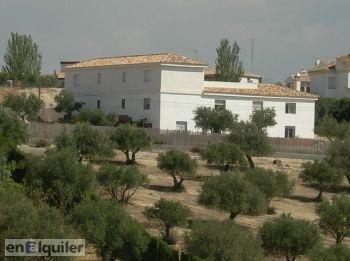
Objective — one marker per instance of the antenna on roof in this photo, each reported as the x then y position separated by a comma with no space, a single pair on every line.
252,41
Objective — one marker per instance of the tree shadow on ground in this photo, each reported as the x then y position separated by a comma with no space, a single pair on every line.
162,188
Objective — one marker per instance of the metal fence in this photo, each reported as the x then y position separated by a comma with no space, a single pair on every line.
47,131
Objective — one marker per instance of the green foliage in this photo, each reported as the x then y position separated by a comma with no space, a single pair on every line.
22,58
271,183
335,217
19,218
226,156
60,177
252,140
4,77
215,120
264,118
97,117
114,233
86,141
24,105
158,250
288,237
222,240
66,103
231,192
12,130
322,173
121,181
333,253
48,80
329,127
338,156
169,213
178,165
130,139
336,108
227,64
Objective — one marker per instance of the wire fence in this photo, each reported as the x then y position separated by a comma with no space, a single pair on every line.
180,139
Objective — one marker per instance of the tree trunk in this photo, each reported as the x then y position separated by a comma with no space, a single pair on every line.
81,157
133,158
339,239
128,160
250,161
319,196
167,234
233,215
177,184
348,177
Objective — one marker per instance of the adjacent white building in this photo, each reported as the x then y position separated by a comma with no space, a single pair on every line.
166,88
331,79
299,81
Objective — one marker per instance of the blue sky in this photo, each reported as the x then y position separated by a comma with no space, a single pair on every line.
288,34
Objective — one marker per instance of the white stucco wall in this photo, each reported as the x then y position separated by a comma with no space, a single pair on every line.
319,84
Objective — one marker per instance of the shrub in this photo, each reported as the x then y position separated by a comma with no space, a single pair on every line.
41,143
178,165
264,118
333,253
65,102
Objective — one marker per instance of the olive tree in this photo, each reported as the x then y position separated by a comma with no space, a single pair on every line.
130,139
170,214
321,173
252,140
178,165
338,156
65,102
121,182
222,240
288,237
24,105
330,128
86,141
112,231
271,183
335,252
233,193
60,177
216,120
264,118
335,217
224,155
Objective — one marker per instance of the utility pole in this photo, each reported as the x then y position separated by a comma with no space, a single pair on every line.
252,41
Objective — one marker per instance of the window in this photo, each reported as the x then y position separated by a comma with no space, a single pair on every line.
123,103
291,108
331,83
146,103
124,76
98,104
99,78
289,132
220,104
181,125
76,78
258,105
147,76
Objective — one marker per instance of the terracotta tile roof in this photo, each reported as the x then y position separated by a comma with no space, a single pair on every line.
169,58
270,90
325,65
345,60
60,75
304,77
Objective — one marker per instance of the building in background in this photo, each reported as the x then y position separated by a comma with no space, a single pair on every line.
331,78
165,89
60,74
299,81
210,75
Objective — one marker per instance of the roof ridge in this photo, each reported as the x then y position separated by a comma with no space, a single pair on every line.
122,56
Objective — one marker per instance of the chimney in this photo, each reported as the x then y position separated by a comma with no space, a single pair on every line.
302,71
318,61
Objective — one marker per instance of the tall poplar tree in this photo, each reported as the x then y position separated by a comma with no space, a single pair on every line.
228,66
22,58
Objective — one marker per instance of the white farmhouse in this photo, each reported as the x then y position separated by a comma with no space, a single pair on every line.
166,89
331,79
